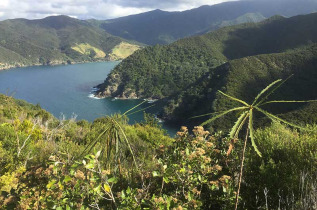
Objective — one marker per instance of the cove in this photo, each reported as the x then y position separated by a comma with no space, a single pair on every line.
66,90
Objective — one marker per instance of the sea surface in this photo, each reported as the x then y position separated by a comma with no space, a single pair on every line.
66,90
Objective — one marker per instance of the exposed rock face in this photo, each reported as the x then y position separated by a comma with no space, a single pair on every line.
57,62
110,87
7,66
129,94
4,66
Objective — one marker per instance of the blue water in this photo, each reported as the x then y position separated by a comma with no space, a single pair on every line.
65,89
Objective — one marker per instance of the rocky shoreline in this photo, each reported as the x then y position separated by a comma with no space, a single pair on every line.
9,66
112,92
22,65
112,88
109,94
52,63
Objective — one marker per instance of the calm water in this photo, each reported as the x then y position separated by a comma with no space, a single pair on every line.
66,89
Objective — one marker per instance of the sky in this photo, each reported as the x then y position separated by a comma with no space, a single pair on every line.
98,9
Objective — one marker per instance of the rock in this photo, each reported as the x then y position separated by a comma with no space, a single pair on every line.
110,87
129,94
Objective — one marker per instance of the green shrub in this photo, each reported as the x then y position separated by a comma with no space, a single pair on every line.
286,155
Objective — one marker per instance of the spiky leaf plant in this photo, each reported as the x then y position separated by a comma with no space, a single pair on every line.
246,117
113,137
248,111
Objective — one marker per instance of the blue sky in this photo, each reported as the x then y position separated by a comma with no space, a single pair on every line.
99,9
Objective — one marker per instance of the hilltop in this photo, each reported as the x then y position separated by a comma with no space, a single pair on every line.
57,40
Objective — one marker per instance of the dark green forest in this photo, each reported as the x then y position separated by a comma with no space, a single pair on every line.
244,78
237,59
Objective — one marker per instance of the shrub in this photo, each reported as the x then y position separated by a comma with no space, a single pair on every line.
287,154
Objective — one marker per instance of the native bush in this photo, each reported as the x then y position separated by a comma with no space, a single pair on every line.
65,164
287,154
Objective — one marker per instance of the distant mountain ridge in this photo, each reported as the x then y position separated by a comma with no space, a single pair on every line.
62,39
56,40
160,27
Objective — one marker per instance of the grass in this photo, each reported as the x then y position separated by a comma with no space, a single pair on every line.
123,50
85,48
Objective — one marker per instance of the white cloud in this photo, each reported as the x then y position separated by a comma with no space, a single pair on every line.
4,3
189,4
170,5
105,10
100,9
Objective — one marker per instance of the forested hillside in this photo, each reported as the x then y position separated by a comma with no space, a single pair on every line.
244,78
56,40
160,71
160,27
186,70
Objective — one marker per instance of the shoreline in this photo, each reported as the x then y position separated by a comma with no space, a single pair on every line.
54,64
95,90
148,100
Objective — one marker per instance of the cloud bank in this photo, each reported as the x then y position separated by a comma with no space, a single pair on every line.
98,9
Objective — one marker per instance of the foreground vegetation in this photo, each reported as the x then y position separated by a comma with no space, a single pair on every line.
67,164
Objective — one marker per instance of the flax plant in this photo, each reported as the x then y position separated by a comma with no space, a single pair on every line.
246,118
113,137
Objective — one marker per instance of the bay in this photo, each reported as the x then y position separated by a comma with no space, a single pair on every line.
65,90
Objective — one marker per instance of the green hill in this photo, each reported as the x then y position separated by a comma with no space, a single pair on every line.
54,40
161,71
161,27
166,71
244,78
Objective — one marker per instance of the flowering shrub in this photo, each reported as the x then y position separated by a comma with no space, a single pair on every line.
191,174
64,186
193,171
